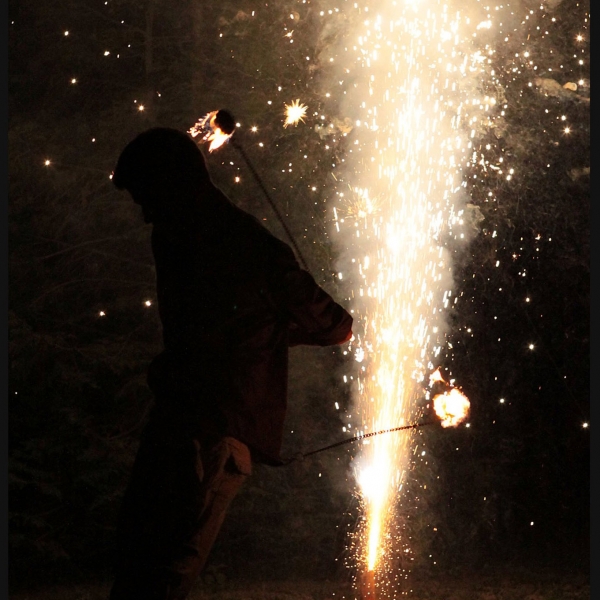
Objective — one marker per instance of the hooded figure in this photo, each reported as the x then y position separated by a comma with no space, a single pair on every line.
232,298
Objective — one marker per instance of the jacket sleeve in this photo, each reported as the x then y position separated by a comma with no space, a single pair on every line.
316,319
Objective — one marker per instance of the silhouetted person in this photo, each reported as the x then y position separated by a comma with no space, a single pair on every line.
232,299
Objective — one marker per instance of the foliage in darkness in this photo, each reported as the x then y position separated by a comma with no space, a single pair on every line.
77,391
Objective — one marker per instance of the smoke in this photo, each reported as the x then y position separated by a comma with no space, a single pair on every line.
407,78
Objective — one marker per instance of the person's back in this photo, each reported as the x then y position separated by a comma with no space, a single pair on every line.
232,299
225,338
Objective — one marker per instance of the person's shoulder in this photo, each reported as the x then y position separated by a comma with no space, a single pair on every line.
251,224
247,226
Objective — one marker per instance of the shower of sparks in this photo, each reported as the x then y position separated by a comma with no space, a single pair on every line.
294,113
414,93
210,131
358,205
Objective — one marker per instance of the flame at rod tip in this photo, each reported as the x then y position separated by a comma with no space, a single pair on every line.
211,132
452,407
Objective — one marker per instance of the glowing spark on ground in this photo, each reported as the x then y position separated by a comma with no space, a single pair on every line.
210,131
294,113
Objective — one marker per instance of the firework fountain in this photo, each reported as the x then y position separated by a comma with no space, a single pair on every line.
400,194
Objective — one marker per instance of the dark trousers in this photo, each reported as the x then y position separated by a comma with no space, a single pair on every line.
174,506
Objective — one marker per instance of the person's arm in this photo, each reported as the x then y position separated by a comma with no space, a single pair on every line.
316,319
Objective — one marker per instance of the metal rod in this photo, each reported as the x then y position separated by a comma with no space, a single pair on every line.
258,180
359,437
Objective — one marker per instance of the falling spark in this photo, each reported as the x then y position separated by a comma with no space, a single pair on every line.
210,131
294,113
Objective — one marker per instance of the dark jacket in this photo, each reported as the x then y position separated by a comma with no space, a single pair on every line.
232,299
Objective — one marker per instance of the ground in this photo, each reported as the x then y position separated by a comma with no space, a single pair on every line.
544,586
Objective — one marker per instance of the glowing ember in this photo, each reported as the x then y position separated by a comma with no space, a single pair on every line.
294,113
451,407
210,131
435,377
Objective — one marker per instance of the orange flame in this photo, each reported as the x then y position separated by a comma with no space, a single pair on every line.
452,407
368,586
435,377
212,132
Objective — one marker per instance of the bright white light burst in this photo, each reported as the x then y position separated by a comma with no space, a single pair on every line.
294,113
